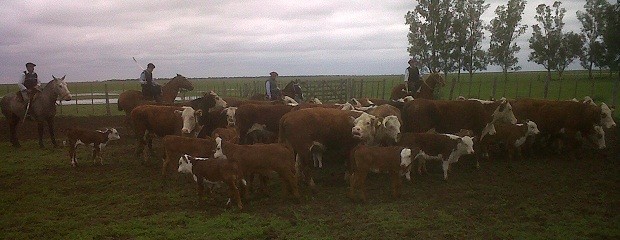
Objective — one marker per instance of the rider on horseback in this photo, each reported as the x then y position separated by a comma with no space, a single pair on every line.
150,89
29,85
413,82
271,85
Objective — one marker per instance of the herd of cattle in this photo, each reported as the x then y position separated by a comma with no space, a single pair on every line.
234,140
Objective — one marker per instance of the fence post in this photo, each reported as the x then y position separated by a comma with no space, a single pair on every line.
529,94
107,100
614,97
361,89
383,91
494,86
575,90
560,88
479,88
452,87
76,106
517,88
92,99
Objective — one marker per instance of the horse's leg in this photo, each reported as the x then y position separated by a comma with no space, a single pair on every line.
50,127
13,122
40,130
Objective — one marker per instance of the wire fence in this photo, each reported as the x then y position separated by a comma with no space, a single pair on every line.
99,98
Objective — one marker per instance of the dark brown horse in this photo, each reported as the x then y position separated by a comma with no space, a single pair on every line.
434,80
43,109
129,99
292,89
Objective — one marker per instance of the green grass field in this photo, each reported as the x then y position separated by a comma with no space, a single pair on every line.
519,85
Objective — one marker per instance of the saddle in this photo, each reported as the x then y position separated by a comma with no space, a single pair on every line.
32,95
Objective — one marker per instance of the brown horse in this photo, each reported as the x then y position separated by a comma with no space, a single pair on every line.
43,109
129,99
292,89
433,81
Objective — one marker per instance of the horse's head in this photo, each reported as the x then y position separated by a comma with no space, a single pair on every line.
435,79
293,89
59,87
182,82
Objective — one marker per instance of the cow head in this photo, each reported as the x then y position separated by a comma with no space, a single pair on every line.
355,102
405,157
588,100
598,137
365,127
257,127
465,145
218,148
113,134
607,119
391,126
315,100
185,164
347,107
489,129
289,101
504,113
230,115
532,128
190,119
219,102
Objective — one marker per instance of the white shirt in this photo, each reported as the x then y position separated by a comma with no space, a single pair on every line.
22,78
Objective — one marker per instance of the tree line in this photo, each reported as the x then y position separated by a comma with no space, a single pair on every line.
447,36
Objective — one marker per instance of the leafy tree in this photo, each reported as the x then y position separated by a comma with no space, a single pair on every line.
570,49
459,40
505,28
429,31
546,40
592,26
475,58
611,38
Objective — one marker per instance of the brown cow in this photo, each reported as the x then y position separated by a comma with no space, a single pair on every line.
420,115
262,158
249,114
393,160
564,119
96,139
312,131
161,121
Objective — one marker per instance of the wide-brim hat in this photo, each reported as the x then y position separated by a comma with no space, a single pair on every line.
412,60
273,73
29,63
150,65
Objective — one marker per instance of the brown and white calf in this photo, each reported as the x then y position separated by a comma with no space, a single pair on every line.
393,160
262,158
96,139
214,170
512,136
175,146
445,147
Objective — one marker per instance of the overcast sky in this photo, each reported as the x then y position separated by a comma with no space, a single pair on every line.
96,40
